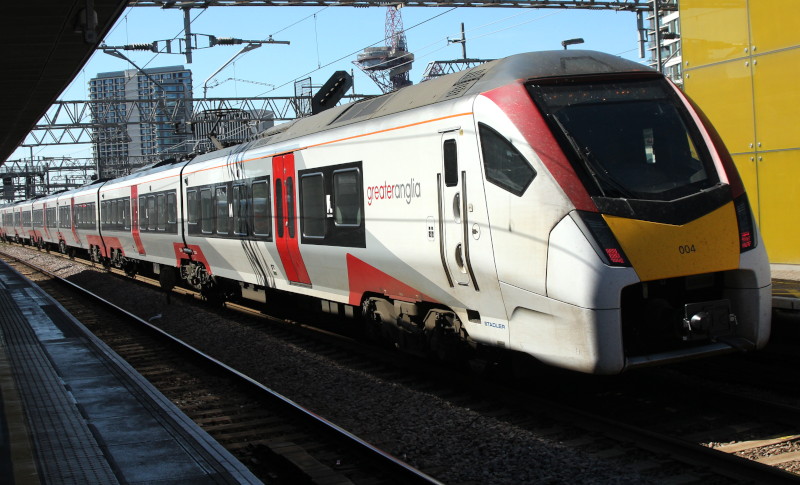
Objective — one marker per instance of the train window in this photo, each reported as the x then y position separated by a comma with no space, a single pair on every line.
206,212
143,213
38,218
64,219
240,203
279,207
450,153
152,215
50,217
192,211
504,165
347,197
261,213
312,205
172,208
161,210
113,217
126,213
104,210
652,150
223,214
290,207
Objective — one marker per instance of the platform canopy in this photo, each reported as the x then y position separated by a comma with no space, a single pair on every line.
45,44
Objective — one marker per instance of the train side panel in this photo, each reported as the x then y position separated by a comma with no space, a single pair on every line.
155,210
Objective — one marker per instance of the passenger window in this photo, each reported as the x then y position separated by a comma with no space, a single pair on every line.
279,207
142,213
152,215
206,212
126,213
450,150
161,210
313,205
261,213
347,198
240,210
172,208
192,208
64,219
504,165
290,207
222,210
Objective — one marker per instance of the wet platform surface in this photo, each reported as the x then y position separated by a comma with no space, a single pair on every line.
72,411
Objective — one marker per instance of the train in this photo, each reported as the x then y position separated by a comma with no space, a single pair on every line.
572,206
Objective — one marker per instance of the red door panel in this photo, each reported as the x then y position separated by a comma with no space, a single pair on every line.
286,219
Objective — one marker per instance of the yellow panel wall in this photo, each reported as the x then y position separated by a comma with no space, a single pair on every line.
776,88
773,24
779,198
729,104
728,46
719,30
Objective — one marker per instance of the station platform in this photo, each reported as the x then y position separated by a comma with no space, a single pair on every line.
73,412
786,287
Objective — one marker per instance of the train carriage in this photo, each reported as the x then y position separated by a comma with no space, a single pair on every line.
78,215
44,219
570,205
155,208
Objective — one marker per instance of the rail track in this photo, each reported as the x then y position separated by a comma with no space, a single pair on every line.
280,441
663,423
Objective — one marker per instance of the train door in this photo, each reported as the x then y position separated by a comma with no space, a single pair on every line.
286,219
453,216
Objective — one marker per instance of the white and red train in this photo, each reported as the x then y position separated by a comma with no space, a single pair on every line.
570,205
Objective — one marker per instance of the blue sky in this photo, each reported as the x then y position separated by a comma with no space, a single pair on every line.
326,39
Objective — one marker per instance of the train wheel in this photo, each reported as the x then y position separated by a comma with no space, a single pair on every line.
62,247
130,267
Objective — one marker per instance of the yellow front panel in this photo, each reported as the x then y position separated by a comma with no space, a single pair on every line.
657,251
778,174
774,24
725,94
776,84
718,31
748,170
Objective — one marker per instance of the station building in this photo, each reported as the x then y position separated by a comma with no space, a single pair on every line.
162,96
741,64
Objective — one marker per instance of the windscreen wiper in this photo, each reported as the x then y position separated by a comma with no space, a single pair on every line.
598,173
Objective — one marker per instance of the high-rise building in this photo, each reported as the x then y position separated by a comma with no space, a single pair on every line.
148,122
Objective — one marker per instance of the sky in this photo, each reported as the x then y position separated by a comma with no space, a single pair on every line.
327,39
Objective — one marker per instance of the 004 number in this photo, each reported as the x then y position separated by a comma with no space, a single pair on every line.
687,249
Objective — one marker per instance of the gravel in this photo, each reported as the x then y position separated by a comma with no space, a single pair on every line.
427,431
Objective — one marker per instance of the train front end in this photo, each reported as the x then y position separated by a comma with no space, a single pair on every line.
659,259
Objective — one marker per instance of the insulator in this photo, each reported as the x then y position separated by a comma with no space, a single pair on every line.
228,41
139,47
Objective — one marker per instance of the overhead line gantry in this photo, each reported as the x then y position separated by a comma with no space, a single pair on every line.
629,5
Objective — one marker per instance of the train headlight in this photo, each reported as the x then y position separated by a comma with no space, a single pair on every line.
747,229
610,250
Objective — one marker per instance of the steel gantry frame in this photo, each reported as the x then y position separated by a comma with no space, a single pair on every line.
629,5
70,122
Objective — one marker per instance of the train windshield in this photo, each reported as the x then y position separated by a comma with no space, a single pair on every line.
630,139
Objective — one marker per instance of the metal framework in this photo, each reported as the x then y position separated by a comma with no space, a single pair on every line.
630,5
70,122
45,175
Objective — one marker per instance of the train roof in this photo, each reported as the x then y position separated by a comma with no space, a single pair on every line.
481,78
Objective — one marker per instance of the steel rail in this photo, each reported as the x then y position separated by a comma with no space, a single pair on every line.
405,472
